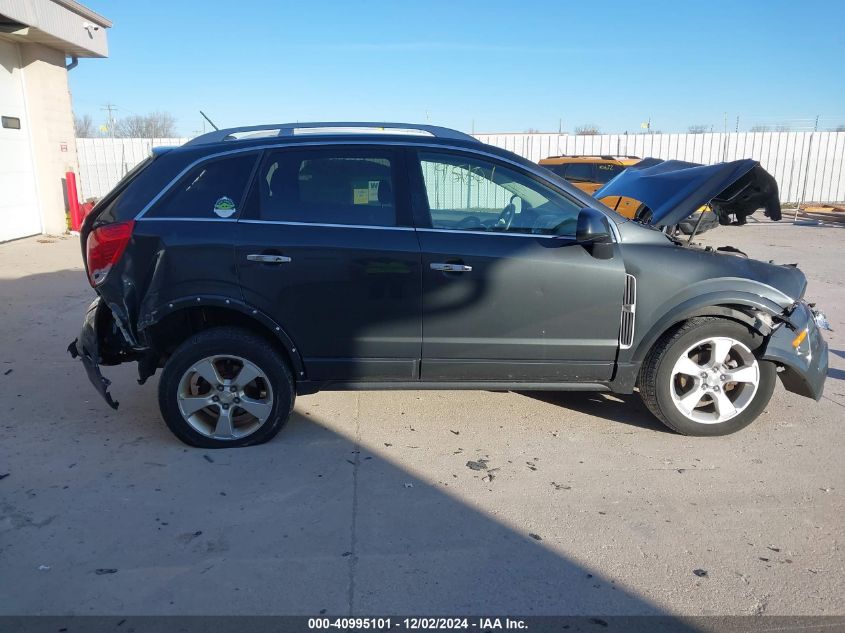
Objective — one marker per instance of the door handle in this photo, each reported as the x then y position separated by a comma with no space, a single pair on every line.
452,268
268,259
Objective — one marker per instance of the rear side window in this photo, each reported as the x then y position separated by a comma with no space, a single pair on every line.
556,169
213,189
605,172
328,187
107,208
581,172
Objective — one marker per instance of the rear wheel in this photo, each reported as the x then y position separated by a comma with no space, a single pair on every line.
225,387
704,377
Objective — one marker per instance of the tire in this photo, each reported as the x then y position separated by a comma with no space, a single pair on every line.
698,405
226,368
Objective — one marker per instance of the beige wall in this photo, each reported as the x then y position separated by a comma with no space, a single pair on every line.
50,114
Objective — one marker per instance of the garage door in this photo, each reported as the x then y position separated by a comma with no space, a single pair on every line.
19,215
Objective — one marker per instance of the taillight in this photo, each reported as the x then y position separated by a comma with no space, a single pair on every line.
104,247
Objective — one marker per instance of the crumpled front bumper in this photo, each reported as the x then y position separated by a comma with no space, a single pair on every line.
805,365
86,347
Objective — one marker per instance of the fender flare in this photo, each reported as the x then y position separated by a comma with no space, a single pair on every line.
713,304
175,305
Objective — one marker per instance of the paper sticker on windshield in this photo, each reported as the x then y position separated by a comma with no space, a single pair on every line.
373,191
224,207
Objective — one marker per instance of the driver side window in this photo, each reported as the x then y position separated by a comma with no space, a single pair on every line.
473,194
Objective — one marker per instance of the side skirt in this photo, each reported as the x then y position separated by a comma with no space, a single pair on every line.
308,387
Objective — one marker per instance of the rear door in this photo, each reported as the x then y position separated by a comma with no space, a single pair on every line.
508,294
326,247
186,238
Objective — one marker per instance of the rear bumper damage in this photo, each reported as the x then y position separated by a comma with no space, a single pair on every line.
805,362
86,347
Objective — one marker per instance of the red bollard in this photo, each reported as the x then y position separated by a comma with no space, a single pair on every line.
73,202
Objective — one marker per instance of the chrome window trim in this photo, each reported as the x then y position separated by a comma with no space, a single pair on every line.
536,170
186,219
357,226
326,224
362,226
570,238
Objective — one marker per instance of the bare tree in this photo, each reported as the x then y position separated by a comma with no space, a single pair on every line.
532,130
152,125
84,126
588,129
839,128
760,128
698,129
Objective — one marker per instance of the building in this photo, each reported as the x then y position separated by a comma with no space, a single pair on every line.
40,41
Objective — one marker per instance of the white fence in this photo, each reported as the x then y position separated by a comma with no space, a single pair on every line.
104,161
808,166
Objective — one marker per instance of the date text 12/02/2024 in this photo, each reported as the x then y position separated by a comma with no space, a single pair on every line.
416,623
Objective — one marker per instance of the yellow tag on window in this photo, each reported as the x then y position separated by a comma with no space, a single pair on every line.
361,196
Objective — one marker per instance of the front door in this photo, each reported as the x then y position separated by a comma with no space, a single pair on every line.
326,248
508,294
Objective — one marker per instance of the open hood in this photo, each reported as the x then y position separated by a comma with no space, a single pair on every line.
672,190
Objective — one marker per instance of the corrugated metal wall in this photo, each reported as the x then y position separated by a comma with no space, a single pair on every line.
809,166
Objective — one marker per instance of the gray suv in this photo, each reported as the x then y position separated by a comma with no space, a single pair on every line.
254,264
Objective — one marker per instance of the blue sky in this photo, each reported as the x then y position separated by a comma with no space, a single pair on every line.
489,66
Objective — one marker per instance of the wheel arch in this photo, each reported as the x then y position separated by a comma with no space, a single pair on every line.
175,321
742,308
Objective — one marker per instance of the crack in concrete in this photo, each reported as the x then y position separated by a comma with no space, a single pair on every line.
353,537
834,401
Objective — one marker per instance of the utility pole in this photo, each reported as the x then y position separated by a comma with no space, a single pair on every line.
110,108
737,123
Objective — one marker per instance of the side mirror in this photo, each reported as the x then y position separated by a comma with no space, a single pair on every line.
593,233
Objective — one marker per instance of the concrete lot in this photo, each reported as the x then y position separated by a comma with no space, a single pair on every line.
364,503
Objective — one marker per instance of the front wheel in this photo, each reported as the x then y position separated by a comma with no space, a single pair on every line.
225,387
704,378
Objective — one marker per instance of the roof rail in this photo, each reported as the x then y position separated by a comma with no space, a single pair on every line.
329,128
601,156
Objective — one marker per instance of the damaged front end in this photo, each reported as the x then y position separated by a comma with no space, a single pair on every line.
101,342
796,345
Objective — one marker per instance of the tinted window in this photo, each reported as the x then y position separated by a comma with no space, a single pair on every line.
579,172
327,187
607,172
556,169
476,195
213,189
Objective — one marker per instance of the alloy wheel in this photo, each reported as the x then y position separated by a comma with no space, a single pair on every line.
714,380
225,397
